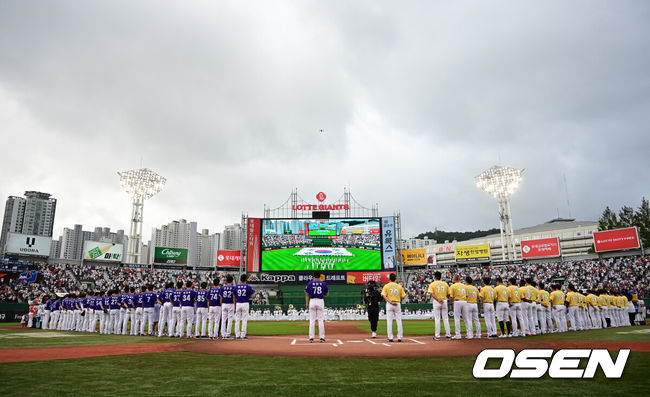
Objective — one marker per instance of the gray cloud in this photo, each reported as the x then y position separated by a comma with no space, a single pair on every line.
226,99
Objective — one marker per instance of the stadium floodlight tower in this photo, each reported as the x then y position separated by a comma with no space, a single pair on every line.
141,184
501,182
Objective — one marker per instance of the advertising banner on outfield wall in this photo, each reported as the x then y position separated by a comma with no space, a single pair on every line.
414,257
295,277
388,242
253,242
98,251
364,277
472,253
617,239
540,248
170,256
228,258
27,244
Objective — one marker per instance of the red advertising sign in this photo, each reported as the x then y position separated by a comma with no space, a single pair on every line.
540,248
364,277
253,242
617,239
226,258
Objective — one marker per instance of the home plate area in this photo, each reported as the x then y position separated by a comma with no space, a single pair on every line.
341,342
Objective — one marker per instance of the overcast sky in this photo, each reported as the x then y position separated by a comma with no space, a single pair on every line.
226,100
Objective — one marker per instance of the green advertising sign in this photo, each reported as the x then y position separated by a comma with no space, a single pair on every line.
170,256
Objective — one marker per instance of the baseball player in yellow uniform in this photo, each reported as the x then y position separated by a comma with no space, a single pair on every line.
487,303
559,311
572,304
594,315
472,309
516,312
544,313
458,296
393,294
439,291
502,308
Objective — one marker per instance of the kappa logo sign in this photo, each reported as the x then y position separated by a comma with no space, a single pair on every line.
564,364
30,241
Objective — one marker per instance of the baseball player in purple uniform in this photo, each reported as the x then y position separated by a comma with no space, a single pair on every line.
139,312
188,299
149,301
201,311
122,317
106,307
114,312
63,314
214,310
47,310
227,293
315,291
56,306
87,301
92,316
243,292
165,299
175,323
128,303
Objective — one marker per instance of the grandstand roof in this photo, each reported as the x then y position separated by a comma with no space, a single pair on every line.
553,224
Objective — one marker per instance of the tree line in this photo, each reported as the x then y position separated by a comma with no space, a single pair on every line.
441,236
628,217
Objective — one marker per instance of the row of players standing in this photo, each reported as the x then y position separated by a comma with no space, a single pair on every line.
524,308
175,310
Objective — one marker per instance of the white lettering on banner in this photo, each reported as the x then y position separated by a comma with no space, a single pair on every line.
564,364
170,253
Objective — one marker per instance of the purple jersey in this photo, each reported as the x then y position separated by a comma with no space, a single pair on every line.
139,300
150,299
213,297
48,305
114,300
243,293
188,297
56,305
202,298
227,293
129,300
176,297
166,295
106,301
316,289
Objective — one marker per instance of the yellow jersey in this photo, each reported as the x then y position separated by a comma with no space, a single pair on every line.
439,290
501,292
393,292
581,299
535,294
487,294
513,294
605,300
472,293
458,291
592,300
528,293
544,297
572,298
557,297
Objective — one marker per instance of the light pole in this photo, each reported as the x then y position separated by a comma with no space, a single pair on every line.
141,184
501,182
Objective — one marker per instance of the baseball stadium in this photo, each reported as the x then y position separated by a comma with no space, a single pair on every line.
374,318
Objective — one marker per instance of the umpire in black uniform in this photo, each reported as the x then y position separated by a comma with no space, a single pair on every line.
372,298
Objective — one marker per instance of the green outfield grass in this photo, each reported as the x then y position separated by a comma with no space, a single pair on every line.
284,260
183,374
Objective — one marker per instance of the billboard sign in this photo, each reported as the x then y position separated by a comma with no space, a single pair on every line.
364,277
540,248
170,256
99,251
388,242
472,253
414,257
27,244
617,239
253,241
228,258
